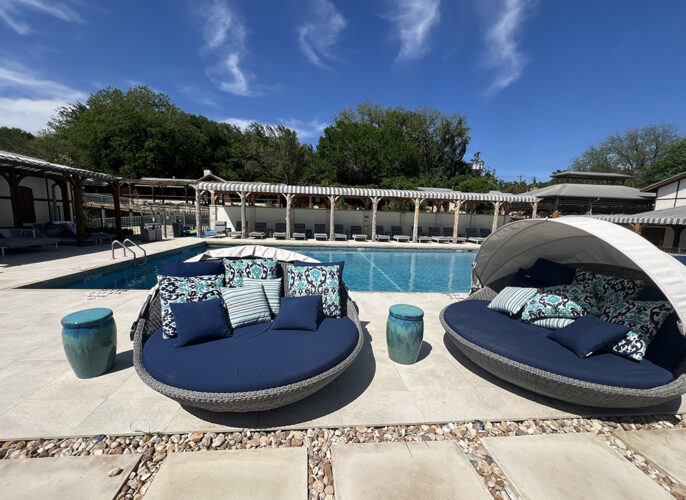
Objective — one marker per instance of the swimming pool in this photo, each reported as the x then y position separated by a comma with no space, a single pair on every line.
366,269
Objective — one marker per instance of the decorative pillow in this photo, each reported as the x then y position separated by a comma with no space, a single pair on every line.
548,305
585,280
198,322
552,323
247,305
524,280
207,268
272,289
317,280
650,293
298,313
588,334
177,289
339,263
610,289
512,299
260,269
551,272
644,319
579,294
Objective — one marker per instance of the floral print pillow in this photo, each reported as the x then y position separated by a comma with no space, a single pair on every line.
259,269
177,289
611,290
317,280
548,305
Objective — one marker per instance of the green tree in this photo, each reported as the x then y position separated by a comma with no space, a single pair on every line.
673,162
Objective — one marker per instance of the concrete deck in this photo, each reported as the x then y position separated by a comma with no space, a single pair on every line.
665,449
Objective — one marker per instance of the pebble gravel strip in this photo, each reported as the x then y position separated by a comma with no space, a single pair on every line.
155,447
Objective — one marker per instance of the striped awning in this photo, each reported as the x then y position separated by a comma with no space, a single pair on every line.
255,187
656,219
35,165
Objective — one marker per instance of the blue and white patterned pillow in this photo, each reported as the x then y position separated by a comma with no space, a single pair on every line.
585,280
247,305
512,299
578,293
548,305
177,289
272,289
260,269
553,323
643,317
610,289
317,280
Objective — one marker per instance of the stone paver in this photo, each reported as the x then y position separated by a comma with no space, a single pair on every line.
272,473
569,466
68,478
665,449
405,470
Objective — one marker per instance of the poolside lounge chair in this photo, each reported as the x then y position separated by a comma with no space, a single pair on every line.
260,231
339,233
435,233
421,237
280,231
299,232
381,235
357,233
218,231
237,232
473,236
397,234
448,232
484,232
24,241
320,232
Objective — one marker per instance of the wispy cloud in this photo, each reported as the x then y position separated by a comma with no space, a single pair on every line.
412,21
503,53
12,12
306,129
319,35
224,48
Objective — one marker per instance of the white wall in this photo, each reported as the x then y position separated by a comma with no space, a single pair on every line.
672,195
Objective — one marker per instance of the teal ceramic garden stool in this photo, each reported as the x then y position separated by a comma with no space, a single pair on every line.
404,333
89,338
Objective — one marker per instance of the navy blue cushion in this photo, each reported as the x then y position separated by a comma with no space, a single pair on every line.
254,358
298,313
551,272
211,268
681,258
340,263
198,322
523,279
650,294
588,335
668,347
529,345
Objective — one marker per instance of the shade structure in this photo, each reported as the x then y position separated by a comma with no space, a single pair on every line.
578,240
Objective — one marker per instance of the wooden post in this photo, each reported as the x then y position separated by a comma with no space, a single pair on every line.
79,215
185,194
332,201
152,187
116,192
244,229
496,213
66,215
638,228
13,180
375,205
289,201
534,209
415,226
198,231
456,222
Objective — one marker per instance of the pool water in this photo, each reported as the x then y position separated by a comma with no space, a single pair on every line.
366,269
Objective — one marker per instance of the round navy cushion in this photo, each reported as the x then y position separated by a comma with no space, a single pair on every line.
252,359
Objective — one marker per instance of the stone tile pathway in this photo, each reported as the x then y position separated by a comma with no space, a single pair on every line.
665,449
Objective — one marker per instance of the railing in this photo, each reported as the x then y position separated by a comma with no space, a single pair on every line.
123,245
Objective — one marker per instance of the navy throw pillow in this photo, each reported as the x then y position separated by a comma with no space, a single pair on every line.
551,272
186,269
340,263
650,294
198,322
588,334
525,280
298,313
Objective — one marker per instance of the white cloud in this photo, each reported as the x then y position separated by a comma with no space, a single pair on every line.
503,53
413,21
11,12
224,48
310,129
319,35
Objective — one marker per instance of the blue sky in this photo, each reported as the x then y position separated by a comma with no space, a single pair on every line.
539,81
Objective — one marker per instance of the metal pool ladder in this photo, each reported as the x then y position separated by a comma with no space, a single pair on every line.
123,245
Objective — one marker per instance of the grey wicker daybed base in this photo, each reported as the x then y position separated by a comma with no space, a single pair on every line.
149,321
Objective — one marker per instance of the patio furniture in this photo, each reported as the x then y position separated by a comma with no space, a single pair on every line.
448,232
218,231
237,232
421,237
254,369
320,232
24,241
280,231
484,232
89,338
404,333
473,236
522,354
397,234
435,234
260,231
381,235
357,233
299,232
339,233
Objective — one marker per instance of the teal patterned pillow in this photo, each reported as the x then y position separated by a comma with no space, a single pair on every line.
553,323
643,317
578,293
177,289
548,305
260,269
247,305
272,289
512,299
585,280
317,280
611,290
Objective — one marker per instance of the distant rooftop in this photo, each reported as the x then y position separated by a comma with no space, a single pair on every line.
604,191
579,174
668,180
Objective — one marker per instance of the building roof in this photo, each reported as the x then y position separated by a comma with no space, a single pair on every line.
436,194
172,181
580,174
668,180
32,165
666,217
605,191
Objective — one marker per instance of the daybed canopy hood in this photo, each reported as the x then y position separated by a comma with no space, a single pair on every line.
578,240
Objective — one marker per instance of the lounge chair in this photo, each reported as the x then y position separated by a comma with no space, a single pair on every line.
357,233
473,236
218,231
448,232
421,237
484,233
320,232
299,232
435,234
339,233
397,234
19,241
260,231
280,231
237,231
381,235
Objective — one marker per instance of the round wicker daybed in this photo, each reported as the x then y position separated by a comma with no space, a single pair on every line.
149,322
508,348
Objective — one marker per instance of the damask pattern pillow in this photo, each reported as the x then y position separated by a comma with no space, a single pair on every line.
317,280
548,305
272,289
259,269
585,280
610,289
579,294
512,299
177,289
644,319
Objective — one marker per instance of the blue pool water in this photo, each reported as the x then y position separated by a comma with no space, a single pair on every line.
366,269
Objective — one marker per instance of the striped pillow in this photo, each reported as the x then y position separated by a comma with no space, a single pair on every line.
553,323
512,299
247,305
272,289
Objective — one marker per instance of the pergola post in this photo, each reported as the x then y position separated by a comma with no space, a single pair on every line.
456,221
152,187
534,209
117,209
415,226
637,227
496,213
79,215
66,215
375,205
332,202
198,232
244,229
13,180
289,201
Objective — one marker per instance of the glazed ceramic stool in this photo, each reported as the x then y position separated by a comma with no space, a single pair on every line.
404,333
89,338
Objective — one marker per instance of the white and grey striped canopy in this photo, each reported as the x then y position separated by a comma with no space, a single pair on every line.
667,217
439,194
36,165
